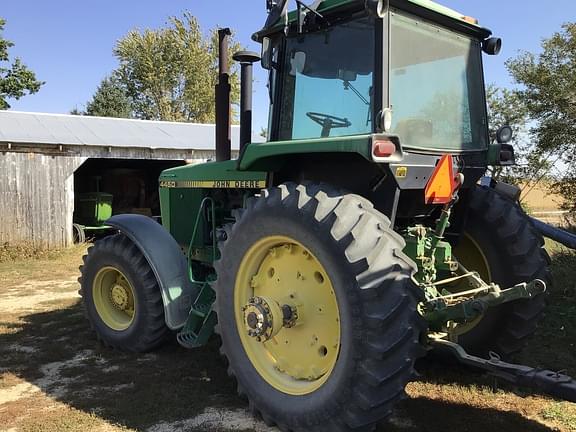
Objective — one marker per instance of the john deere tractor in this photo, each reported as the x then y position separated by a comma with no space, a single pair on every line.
352,242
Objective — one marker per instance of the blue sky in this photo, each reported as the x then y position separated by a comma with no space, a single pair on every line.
69,43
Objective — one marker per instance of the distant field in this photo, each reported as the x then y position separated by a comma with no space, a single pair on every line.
541,203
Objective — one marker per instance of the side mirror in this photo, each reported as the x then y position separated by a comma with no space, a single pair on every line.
377,7
492,46
267,54
504,135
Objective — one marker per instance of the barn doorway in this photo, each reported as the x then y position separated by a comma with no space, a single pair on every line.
107,187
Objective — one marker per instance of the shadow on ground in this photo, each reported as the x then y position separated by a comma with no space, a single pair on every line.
57,352
425,415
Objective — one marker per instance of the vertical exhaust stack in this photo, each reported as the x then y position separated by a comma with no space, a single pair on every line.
246,60
223,135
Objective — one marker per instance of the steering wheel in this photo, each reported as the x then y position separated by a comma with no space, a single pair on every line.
328,122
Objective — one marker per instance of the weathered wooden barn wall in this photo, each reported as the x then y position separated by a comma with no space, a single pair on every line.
37,187
37,198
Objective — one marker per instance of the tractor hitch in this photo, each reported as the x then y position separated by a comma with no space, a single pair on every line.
556,384
450,308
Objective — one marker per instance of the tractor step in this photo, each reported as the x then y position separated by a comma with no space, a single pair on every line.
201,321
555,384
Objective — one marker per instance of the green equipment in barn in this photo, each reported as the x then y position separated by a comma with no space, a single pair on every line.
94,208
355,240
91,211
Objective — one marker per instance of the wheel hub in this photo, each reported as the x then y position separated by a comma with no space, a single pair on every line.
288,315
119,296
264,318
114,298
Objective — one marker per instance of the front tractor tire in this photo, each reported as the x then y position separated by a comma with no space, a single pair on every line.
317,310
121,297
502,245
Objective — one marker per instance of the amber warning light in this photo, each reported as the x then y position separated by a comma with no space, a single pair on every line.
443,183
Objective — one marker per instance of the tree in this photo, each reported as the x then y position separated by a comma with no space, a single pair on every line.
548,89
110,100
506,107
170,73
16,80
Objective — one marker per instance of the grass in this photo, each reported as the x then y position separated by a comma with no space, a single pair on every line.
74,420
22,251
563,413
27,263
554,345
71,383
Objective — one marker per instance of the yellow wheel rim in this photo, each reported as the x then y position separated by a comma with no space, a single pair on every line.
299,358
114,298
470,255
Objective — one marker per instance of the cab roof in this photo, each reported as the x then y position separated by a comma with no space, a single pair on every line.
426,8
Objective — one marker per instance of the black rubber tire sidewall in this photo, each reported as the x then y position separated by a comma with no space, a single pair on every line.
377,298
514,253
148,330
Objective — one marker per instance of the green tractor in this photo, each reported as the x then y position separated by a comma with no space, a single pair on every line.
351,243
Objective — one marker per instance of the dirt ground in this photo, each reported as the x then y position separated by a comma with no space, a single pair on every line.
54,376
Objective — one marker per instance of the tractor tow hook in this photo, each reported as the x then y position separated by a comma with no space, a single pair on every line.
555,384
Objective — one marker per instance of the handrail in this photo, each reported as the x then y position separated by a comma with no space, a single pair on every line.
195,232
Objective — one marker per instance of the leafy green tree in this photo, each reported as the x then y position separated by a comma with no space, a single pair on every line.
170,73
16,80
77,111
506,107
110,100
548,89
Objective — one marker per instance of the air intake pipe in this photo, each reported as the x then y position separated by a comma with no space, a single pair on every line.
246,60
223,140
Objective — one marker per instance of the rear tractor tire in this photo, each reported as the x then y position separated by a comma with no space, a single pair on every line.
500,242
121,297
317,310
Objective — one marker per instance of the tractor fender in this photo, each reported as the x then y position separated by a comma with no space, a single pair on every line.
166,260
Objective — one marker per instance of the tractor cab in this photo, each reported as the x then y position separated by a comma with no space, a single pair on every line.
399,83
409,68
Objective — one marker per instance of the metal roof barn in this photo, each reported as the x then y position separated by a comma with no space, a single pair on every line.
48,160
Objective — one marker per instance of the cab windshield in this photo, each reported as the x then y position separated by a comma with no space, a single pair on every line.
436,87
327,83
